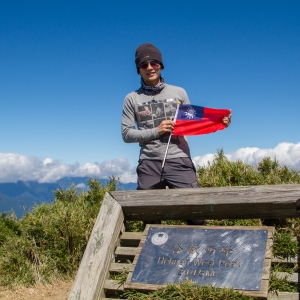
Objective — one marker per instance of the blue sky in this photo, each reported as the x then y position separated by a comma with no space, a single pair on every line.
66,67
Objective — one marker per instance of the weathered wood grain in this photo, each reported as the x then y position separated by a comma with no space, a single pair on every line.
291,277
116,268
242,202
99,253
113,288
130,239
263,293
287,260
267,269
283,296
123,254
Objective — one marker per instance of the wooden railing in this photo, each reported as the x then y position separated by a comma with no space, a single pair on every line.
109,246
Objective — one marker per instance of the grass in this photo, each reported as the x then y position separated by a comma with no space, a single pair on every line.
9,226
285,245
187,291
281,285
48,243
222,172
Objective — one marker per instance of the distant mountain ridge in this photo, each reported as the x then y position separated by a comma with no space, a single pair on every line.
24,194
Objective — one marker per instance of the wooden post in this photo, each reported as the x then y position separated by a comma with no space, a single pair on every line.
99,253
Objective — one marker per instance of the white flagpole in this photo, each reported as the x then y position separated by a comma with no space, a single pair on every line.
163,164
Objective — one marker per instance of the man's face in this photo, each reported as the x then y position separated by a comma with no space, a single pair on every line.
150,71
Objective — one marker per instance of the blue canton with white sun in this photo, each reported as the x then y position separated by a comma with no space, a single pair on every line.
190,112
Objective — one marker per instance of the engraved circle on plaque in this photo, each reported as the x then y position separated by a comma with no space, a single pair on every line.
159,238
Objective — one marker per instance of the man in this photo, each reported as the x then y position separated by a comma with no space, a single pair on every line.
153,130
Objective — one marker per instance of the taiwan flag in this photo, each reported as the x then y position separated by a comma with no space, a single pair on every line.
195,120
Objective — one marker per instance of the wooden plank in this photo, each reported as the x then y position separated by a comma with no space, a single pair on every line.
263,293
287,260
269,248
119,267
123,254
266,269
131,238
239,202
283,296
113,288
291,277
98,255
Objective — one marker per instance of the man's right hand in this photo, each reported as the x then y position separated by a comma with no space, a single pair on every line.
165,126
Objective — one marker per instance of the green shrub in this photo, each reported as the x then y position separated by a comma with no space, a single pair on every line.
9,227
48,243
222,172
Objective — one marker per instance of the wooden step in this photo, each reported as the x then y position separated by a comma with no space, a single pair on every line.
291,277
287,260
116,268
283,296
113,288
131,239
123,254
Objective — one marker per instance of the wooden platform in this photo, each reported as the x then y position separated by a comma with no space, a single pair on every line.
109,244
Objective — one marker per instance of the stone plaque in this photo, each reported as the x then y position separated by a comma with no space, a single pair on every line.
207,256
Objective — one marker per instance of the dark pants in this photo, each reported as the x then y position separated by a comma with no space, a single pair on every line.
177,173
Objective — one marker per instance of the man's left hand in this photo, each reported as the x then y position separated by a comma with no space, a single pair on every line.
227,120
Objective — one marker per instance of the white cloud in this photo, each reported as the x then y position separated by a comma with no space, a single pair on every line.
14,167
286,154
81,186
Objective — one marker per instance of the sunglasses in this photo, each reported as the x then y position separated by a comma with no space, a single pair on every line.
154,64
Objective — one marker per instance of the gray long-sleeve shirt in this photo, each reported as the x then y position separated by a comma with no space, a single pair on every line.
146,110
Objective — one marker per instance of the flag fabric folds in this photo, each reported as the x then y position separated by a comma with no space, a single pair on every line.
196,120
